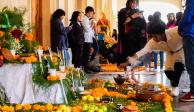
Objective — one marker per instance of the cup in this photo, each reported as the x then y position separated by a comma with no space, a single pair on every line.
52,71
81,88
40,52
62,68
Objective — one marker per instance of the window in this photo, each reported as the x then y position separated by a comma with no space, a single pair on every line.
165,8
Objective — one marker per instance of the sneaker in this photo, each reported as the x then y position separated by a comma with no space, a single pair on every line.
175,91
188,97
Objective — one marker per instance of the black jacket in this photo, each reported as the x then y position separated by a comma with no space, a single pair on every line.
77,34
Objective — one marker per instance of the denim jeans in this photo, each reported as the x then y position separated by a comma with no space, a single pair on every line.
156,59
96,49
67,57
188,45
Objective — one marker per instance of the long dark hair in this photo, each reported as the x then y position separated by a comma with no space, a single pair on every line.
74,17
58,13
128,3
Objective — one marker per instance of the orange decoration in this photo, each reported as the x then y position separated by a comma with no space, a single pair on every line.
1,33
29,36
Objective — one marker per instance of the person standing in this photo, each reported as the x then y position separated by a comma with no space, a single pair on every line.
88,35
131,27
186,30
157,19
77,36
178,17
171,20
59,39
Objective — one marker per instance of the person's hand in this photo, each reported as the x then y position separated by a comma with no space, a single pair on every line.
123,65
131,60
128,20
136,15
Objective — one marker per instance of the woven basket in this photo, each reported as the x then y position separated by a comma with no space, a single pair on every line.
155,96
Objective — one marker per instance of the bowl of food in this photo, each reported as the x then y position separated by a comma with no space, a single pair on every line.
120,79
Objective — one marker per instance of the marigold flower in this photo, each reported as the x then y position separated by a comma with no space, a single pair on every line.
42,108
10,109
36,107
4,108
27,107
55,107
29,36
49,107
1,33
18,107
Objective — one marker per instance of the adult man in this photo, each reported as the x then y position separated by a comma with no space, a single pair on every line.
186,29
88,35
170,42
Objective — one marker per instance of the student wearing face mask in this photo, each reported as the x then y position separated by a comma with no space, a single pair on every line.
171,42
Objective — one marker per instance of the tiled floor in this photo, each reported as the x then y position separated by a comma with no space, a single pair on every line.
159,77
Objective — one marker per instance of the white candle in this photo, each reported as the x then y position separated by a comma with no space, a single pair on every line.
79,76
58,52
50,52
72,80
63,56
63,90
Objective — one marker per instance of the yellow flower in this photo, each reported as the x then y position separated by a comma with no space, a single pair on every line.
1,33
4,108
62,107
10,109
49,107
42,108
27,107
36,107
18,107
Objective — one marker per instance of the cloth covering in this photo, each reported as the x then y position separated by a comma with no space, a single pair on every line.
19,87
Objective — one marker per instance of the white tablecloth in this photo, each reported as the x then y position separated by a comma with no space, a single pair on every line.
19,88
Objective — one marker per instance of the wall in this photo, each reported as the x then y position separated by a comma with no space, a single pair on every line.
49,6
18,3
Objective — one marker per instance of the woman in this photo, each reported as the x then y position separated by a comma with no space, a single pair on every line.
171,20
59,38
77,35
131,26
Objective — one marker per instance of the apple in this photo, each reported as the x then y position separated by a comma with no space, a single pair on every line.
104,108
58,111
90,98
97,99
84,98
84,107
91,110
100,110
